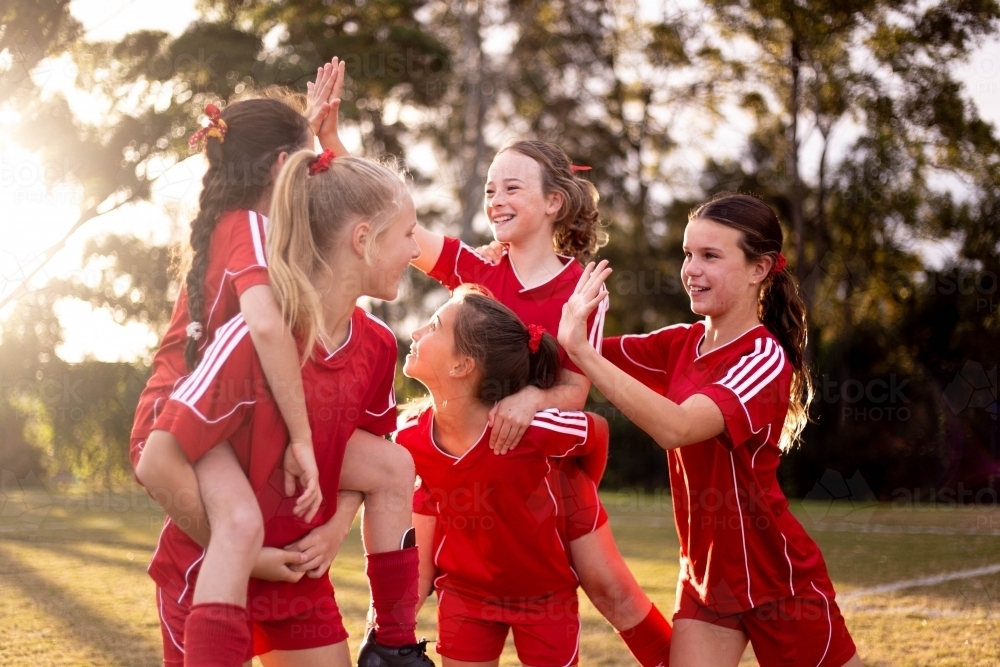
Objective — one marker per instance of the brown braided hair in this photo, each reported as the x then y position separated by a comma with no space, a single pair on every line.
780,308
575,232
238,177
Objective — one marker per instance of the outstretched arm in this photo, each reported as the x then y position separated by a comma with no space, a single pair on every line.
511,417
671,425
430,244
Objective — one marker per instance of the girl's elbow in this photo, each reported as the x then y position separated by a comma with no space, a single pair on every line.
266,329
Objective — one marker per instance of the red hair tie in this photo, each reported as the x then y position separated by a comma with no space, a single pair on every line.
216,128
779,266
576,168
534,337
321,162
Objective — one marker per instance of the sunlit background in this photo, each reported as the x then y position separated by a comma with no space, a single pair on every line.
35,216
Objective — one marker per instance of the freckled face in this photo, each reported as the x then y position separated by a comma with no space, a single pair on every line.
515,204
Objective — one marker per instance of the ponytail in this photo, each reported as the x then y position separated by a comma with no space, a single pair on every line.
293,257
783,312
492,335
575,230
308,213
238,177
544,363
779,308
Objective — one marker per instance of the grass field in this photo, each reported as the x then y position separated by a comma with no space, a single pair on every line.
74,590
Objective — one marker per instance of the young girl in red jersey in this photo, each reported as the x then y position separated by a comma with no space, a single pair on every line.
547,218
488,527
340,229
724,397
245,145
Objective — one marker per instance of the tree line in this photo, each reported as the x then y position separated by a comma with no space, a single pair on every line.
856,131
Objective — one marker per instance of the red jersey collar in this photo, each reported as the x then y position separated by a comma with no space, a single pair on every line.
697,346
567,262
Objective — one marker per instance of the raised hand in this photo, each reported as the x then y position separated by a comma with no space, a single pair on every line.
323,110
589,292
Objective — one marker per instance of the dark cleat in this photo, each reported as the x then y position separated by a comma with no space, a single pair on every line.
373,654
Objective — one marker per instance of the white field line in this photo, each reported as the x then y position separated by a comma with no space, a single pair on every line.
933,580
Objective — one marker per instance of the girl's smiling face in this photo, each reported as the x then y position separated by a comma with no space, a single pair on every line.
432,353
517,207
715,273
394,249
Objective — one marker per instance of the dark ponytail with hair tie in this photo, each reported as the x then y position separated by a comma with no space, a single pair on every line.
779,308
491,334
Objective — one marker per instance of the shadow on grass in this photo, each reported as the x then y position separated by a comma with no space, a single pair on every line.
80,623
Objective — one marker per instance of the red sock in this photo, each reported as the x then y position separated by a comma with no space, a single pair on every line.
216,634
393,579
650,640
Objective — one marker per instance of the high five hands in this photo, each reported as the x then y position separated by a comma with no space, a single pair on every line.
323,105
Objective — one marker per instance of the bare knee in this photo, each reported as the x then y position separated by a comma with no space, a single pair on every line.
396,466
240,526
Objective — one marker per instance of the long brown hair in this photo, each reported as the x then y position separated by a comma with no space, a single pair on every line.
491,334
308,213
238,176
780,308
575,232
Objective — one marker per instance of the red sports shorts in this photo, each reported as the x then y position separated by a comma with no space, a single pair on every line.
546,630
806,630
320,625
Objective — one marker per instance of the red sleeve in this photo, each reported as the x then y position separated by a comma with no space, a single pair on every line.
445,270
380,414
646,357
458,264
217,398
423,501
565,433
246,256
753,394
595,335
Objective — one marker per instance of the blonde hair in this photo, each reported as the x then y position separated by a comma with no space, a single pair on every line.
308,213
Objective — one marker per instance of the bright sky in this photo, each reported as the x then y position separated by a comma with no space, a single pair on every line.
35,216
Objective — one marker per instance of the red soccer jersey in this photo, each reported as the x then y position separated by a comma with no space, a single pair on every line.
498,534
237,262
740,546
227,398
540,305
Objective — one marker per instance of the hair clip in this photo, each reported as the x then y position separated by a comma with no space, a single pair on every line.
576,168
779,266
321,162
534,336
194,330
216,128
